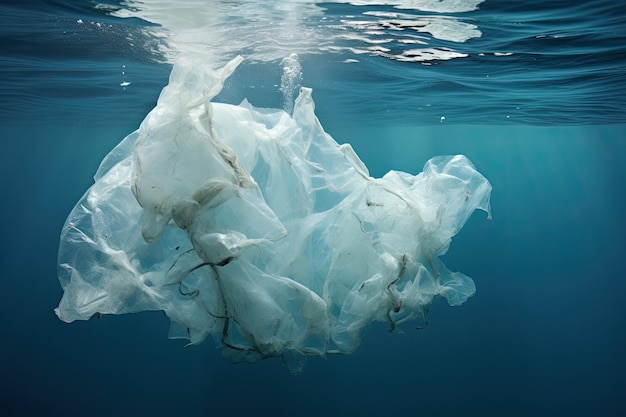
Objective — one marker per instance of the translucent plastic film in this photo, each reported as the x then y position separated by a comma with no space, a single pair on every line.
255,227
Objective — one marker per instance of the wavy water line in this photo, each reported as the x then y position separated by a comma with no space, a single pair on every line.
270,31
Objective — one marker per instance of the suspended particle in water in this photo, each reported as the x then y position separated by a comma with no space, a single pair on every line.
124,82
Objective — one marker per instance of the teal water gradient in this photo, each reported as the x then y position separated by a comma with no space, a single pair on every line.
541,336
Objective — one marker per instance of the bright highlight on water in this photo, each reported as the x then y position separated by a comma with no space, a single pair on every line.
269,31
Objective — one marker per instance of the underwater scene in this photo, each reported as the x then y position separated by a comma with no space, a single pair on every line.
301,208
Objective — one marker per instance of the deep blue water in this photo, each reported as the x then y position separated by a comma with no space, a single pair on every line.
533,96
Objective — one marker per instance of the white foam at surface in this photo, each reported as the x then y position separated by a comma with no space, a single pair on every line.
439,6
255,227
266,31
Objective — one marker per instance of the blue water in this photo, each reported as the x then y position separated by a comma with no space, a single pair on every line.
535,101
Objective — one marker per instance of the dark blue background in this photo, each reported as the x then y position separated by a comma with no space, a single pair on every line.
544,335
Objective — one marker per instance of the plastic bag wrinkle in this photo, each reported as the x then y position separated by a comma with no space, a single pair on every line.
256,228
